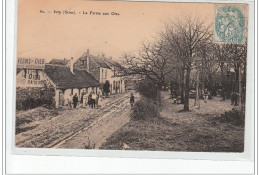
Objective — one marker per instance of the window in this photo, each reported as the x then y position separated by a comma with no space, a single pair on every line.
102,73
106,74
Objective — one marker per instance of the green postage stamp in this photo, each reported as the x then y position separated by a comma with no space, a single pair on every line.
229,23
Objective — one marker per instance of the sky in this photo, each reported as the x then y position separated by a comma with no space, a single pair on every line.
52,35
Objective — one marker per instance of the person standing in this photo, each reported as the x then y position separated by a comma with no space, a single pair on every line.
94,98
85,97
90,99
81,99
100,101
236,98
132,100
75,101
97,99
69,100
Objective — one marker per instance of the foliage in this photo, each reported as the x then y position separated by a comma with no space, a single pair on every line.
185,46
144,109
106,87
147,88
235,116
35,97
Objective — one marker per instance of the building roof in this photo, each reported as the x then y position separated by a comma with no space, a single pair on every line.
83,58
59,61
64,78
112,63
100,61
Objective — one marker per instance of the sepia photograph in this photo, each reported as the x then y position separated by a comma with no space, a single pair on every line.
120,75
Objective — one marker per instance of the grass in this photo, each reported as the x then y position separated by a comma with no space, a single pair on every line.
200,130
27,120
165,135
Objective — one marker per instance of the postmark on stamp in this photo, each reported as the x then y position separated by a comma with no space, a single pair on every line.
229,24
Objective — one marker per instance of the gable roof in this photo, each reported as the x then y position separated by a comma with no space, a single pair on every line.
100,61
112,63
59,61
83,58
63,78
103,62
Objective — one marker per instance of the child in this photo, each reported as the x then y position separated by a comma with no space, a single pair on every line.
100,102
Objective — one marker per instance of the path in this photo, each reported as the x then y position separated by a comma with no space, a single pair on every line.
77,128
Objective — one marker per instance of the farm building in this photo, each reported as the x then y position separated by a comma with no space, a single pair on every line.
63,77
62,80
103,69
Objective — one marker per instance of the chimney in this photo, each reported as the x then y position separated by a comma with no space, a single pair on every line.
71,65
64,60
87,60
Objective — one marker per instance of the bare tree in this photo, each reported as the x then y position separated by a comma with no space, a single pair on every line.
232,56
184,38
154,62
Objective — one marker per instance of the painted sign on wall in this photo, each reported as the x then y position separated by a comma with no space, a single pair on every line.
30,78
31,63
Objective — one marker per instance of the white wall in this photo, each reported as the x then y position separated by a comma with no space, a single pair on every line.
106,76
31,80
110,77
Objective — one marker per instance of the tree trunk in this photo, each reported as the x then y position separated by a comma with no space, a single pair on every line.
182,86
187,90
159,98
239,87
196,103
237,70
223,82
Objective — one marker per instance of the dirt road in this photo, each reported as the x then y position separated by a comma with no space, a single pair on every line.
78,128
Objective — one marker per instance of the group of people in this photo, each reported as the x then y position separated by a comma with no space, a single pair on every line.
234,97
92,100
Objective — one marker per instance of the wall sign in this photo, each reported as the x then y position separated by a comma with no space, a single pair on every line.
31,63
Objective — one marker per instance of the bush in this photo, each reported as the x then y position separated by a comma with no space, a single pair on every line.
234,116
106,87
147,88
144,109
29,98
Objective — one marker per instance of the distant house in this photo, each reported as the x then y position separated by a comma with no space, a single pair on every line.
63,62
103,69
64,79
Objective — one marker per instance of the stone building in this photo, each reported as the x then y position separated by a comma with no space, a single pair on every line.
103,69
63,78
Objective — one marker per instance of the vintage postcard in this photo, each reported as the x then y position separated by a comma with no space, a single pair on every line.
142,76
